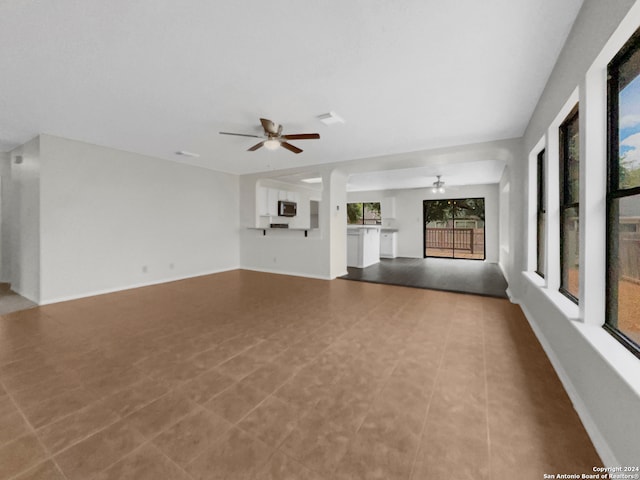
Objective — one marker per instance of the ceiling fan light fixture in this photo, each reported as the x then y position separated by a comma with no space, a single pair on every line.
438,185
272,144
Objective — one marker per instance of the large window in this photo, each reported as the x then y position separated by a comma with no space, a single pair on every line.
364,213
569,206
623,197
541,217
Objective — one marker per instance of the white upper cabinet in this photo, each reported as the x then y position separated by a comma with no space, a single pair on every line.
272,199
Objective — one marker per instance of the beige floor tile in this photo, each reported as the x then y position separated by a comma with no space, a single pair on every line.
160,414
441,456
237,456
20,455
318,444
92,455
30,379
196,432
267,349
205,386
134,397
12,426
271,421
7,407
361,376
235,402
70,429
269,377
54,408
47,389
390,428
44,471
146,463
240,366
302,394
108,384
282,467
370,460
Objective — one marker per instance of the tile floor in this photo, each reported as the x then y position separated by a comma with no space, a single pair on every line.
245,375
453,275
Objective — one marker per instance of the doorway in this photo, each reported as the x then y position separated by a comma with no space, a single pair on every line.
454,228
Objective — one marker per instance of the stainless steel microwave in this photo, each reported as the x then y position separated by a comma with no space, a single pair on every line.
287,209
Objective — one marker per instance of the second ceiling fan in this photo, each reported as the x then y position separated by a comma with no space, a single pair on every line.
275,138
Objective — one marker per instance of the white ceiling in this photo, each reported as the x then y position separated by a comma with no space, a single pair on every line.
157,76
468,173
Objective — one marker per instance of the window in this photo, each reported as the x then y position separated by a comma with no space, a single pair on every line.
541,217
623,197
569,206
454,228
364,213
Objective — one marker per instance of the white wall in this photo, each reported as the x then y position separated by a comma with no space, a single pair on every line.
21,220
409,215
600,375
5,174
106,215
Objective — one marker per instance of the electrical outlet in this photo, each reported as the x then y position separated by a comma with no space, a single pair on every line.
171,266
145,269
275,259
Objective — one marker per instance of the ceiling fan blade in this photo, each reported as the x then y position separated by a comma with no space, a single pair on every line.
269,126
302,136
255,147
240,134
291,148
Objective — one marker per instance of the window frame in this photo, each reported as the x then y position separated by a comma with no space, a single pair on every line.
453,207
564,188
541,210
615,192
362,213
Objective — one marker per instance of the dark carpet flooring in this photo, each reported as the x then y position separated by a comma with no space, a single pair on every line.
462,276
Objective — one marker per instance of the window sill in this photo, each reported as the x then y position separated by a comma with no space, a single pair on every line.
609,349
535,279
614,353
565,306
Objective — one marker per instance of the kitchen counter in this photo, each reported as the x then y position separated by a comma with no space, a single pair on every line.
363,245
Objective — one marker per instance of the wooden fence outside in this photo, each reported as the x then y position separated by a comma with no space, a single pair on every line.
448,238
630,256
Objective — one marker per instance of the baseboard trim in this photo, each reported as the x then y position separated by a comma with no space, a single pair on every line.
602,447
133,286
284,272
27,296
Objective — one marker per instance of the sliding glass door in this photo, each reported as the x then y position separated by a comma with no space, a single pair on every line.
454,228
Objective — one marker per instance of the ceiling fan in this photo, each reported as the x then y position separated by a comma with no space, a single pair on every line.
274,137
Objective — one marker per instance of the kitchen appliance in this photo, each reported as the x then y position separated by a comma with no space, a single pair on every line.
287,209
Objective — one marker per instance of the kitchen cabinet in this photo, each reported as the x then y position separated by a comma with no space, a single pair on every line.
388,244
267,200
272,201
363,246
